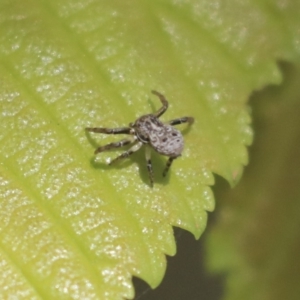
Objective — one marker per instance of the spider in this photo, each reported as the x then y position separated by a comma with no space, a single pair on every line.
150,131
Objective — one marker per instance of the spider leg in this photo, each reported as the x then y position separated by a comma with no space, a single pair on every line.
120,130
163,101
127,153
149,165
168,165
189,120
115,144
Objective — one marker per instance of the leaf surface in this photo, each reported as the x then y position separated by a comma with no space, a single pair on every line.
72,227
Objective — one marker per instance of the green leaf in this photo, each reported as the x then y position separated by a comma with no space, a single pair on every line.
72,227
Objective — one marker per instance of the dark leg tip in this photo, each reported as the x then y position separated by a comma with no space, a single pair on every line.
155,93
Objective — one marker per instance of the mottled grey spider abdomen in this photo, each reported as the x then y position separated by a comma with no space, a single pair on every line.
164,138
168,141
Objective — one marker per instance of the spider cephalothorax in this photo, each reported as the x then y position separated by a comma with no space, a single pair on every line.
148,129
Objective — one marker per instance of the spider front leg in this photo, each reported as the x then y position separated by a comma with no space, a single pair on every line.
115,145
120,130
177,121
127,153
164,103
